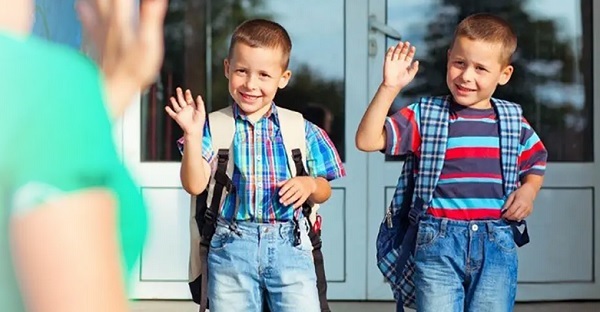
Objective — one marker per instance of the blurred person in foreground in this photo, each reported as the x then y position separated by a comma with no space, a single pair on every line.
72,221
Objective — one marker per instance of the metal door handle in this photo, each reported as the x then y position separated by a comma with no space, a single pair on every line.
384,28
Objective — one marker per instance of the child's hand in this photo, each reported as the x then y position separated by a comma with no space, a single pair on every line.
188,114
519,204
398,68
296,190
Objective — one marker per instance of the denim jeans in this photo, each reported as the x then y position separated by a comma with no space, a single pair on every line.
260,261
465,266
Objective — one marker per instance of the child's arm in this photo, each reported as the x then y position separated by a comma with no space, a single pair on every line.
532,165
322,191
323,165
195,169
197,154
398,70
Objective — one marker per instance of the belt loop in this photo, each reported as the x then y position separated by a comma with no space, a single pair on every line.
490,227
443,226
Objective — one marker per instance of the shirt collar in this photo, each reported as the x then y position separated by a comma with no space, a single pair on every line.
270,114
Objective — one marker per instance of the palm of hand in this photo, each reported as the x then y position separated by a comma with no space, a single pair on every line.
189,118
399,69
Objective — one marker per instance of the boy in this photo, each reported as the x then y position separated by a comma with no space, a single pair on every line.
262,261
465,256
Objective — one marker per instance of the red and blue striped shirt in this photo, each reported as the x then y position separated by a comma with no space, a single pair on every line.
470,185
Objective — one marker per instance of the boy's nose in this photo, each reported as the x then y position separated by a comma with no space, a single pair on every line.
467,75
251,83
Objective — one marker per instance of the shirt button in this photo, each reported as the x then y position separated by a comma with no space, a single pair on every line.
257,132
258,157
474,227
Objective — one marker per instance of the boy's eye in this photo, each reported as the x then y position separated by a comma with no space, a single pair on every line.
459,63
481,68
265,75
240,70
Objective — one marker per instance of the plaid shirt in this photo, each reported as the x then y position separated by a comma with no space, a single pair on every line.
261,162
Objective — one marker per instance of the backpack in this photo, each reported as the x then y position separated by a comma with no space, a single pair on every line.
396,239
205,208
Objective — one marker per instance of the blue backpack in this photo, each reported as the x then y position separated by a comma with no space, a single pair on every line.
414,191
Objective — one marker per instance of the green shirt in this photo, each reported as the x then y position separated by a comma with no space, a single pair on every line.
56,137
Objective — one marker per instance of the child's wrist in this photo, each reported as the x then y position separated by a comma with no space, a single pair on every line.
394,89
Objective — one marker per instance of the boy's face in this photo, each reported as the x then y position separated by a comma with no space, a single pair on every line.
474,70
255,75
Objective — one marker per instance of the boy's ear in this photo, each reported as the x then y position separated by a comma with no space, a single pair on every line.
505,75
226,67
285,78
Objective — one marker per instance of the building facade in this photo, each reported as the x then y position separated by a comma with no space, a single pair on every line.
337,57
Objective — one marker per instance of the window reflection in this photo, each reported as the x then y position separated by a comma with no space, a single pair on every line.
197,33
553,65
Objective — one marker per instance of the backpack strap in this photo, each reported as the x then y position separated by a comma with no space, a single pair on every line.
509,119
292,127
434,112
204,219
222,123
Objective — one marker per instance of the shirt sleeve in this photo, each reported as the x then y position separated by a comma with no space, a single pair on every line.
402,131
322,158
532,152
67,144
207,150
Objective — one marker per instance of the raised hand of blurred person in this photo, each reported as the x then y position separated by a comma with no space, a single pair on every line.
129,53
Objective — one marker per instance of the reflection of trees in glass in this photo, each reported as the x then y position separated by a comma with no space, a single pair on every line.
307,87
544,63
186,27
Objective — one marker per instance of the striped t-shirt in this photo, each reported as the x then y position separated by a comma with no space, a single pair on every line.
470,185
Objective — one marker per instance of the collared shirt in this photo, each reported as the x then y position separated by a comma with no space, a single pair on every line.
260,162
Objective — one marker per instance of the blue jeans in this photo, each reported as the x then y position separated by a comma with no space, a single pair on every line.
260,261
465,266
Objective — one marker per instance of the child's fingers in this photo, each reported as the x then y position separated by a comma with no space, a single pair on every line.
180,98
513,212
200,104
287,196
293,199
175,105
414,68
410,53
390,53
301,201
397,51
509,201
281,184
171,113
188,97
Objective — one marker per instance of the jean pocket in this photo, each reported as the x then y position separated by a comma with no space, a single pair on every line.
221,238
504,240
426,235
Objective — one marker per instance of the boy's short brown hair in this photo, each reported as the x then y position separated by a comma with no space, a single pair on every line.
264,34
489,28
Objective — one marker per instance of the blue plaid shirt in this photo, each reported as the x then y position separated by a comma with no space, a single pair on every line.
261,162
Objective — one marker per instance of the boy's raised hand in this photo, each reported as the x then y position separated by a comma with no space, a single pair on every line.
399,69
188,114
296,190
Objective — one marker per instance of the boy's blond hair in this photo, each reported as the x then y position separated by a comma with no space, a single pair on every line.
264,34
489,28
